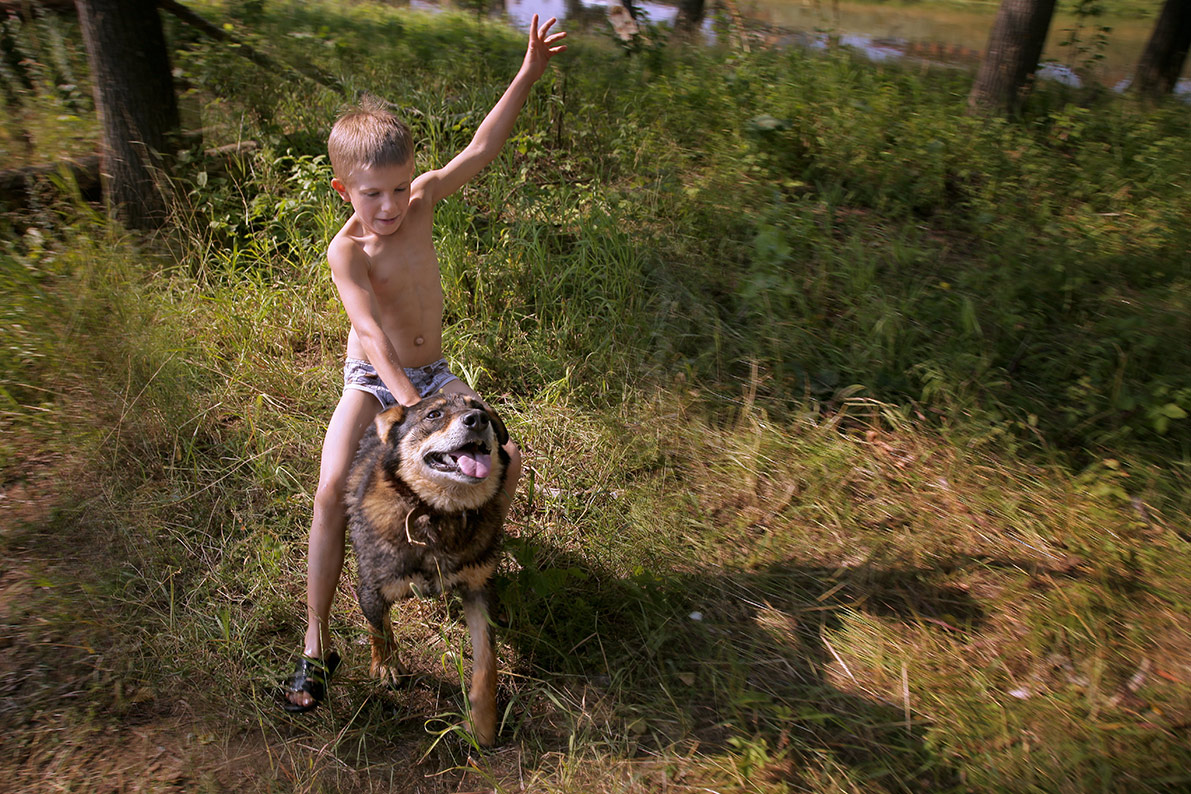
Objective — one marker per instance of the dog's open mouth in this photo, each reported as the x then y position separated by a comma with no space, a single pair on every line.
472,460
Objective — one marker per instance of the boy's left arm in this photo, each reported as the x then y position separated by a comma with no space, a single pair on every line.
495,128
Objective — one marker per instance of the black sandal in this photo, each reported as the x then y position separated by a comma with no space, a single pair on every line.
312,677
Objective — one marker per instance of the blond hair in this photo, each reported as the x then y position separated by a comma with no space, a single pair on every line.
366,136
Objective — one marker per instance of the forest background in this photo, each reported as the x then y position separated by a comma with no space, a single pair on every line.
855,425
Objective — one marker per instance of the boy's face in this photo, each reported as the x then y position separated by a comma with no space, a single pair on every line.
379,195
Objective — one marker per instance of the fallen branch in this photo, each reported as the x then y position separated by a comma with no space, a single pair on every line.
622,21
188,17
308,70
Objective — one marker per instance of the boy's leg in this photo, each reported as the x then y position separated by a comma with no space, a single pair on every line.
352,416
514,473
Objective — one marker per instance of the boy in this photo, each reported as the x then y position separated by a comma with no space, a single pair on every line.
386,270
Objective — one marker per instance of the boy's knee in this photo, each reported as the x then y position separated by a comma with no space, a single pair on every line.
514,453
513,472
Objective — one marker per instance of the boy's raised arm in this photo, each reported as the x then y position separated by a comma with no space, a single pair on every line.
495,128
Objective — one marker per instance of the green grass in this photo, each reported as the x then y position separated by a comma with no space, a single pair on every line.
854,428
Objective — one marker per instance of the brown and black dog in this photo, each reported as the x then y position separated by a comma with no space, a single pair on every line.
425,519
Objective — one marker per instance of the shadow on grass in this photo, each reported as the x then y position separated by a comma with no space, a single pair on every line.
739,663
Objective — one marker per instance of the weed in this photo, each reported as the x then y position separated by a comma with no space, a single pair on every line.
854,429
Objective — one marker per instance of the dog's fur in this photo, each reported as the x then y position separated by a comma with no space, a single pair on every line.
425,522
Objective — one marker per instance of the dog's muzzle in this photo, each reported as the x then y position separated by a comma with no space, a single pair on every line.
473,457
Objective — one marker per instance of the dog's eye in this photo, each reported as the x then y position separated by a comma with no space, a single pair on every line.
435,414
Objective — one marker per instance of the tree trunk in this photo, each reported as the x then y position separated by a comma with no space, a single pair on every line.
1014,47
690,14
1164,55
136,104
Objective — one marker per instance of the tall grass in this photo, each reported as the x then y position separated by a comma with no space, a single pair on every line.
47,110
854,431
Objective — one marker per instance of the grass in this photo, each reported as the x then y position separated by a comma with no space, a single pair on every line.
855,437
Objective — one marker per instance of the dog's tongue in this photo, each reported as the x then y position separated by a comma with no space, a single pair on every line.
473,464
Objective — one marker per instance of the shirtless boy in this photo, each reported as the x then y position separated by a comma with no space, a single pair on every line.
386,270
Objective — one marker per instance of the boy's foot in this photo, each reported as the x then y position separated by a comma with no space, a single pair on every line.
308,686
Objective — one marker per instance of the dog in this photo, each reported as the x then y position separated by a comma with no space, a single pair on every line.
423,509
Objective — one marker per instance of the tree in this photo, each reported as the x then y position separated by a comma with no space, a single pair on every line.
690,14
1014,48
1166,52
135,101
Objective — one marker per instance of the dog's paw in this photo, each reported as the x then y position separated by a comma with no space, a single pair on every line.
393,674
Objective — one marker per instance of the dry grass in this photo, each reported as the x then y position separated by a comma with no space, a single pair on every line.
697,597
714,581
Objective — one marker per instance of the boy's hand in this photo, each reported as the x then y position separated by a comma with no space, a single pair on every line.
541,47
408,399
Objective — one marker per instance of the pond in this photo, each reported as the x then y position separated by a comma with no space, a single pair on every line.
929,33
959,34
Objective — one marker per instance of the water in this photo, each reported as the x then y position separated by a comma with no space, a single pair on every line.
520,12
927,34
959,35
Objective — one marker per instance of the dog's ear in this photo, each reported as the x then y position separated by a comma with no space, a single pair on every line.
502,433
388,419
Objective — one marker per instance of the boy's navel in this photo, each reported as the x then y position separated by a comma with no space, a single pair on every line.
419,341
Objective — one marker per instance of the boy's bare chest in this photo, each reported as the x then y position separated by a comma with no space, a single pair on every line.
404,272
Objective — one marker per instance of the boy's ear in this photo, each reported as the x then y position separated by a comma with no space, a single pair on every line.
340,188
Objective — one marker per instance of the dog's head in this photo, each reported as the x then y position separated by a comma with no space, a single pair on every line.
448,449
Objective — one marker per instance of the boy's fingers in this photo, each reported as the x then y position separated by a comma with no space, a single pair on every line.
549,23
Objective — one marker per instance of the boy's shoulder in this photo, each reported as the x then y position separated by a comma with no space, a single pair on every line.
425,188
347,246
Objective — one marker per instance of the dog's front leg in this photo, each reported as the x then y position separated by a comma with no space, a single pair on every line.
483,667
386,663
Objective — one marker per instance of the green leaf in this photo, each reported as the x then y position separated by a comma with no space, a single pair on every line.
1173,411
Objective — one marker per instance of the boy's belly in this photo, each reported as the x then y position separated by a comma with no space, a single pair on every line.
415,347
